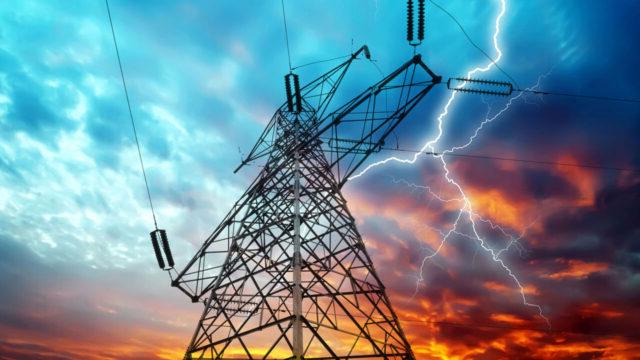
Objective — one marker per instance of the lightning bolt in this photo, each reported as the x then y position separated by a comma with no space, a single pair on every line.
513,241
466,212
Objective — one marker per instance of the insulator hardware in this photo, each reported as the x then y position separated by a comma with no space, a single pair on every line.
366,147
364,49
287,87
294,98
296,84
410,21
226,302
415,37
367,53
160,236
479,86
420,20
156,249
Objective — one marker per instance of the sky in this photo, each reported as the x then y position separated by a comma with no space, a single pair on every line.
78,276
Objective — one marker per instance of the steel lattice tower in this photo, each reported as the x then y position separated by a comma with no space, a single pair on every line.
286,274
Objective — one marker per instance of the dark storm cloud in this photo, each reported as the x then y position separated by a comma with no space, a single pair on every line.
524,181
611,221
573,242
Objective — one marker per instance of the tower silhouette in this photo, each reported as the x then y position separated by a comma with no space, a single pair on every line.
286,274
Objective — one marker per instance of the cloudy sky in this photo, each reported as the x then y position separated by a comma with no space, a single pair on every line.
78,277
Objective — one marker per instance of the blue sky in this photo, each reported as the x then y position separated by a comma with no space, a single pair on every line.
202,85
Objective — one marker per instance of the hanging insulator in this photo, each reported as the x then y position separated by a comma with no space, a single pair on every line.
478,86
165,248
367,53
420,20
294,98
296,87
409,21
156,249
287,87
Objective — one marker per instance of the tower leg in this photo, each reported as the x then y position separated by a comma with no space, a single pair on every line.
297,266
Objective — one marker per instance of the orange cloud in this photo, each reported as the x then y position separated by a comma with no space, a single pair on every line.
581,178
507,318
504,289
496,206
596,309
577,269
497,287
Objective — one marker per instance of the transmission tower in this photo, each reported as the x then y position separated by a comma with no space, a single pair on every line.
286,274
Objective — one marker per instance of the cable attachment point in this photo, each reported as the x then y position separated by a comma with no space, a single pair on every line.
292,88
415,36
157,236
364,49
479,86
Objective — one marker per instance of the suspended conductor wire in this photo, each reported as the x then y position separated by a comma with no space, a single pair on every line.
133,124
473,42
591,97
529,161
286,34
321,61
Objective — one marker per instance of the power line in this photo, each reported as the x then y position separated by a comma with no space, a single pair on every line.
502,158
321,61
286,34
529,161
594,97
133,124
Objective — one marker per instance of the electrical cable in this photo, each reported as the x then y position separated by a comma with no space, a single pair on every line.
286,34
321,61
594,97
473,43
501,158
529,161
133,124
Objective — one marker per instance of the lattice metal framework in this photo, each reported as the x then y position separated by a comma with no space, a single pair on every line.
286,274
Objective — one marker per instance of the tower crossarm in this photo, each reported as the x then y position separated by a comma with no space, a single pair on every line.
318,97
359,128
